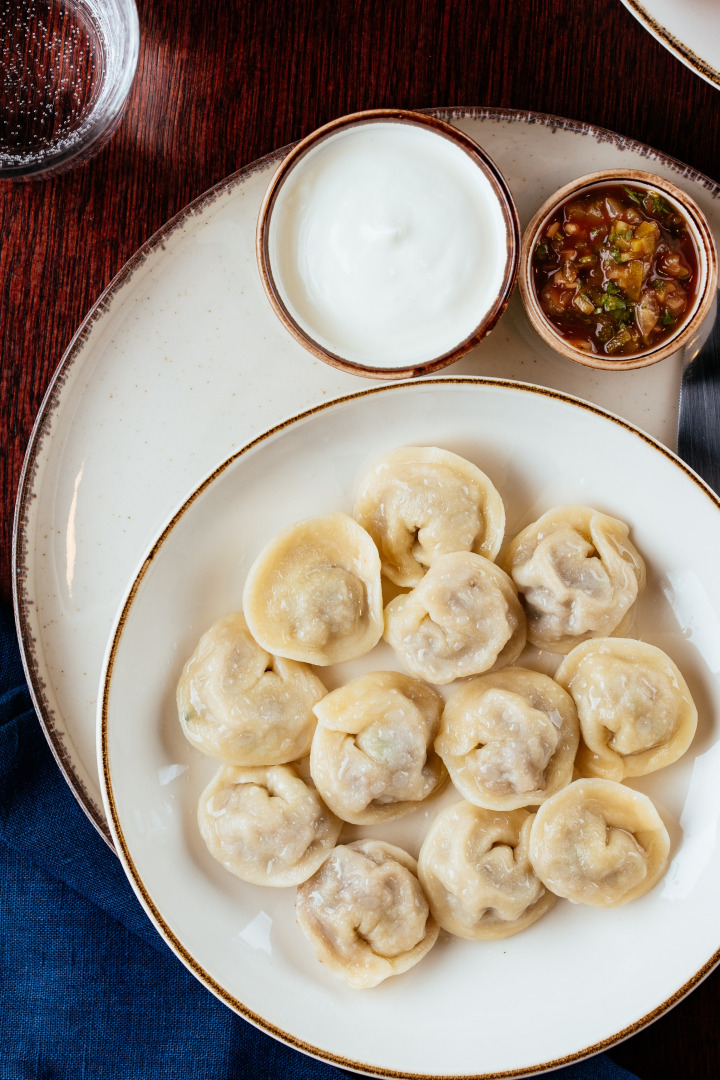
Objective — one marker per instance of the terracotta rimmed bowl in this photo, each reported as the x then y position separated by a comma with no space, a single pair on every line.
705,250
406,350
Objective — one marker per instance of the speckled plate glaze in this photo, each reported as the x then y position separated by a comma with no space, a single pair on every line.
182,360
579,979
691,31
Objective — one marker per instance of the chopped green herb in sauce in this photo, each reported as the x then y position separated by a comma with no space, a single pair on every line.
615,270
634,195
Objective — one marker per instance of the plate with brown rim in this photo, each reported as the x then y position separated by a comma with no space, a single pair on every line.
579,979
182,360
690,31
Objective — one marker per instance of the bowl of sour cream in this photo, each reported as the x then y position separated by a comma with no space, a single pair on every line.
388,243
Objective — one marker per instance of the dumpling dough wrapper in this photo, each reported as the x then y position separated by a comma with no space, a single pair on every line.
314,593
372,756
267,826
365,913
578,574
635,709
598,842
463,618
509,738
475,868
240,704
419,502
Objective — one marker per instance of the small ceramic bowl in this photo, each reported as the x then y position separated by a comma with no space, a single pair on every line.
705,253
388,243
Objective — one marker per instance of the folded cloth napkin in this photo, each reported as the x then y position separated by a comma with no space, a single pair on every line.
89,990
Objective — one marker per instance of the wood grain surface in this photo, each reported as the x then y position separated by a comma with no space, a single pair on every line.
219,85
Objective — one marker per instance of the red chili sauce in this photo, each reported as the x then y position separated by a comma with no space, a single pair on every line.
615,270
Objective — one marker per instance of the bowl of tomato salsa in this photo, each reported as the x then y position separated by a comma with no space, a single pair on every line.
618,269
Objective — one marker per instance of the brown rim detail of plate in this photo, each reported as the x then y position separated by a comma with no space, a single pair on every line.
172,940
682,52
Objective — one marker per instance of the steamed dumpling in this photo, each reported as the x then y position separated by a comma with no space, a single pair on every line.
636,712
598,842
578,574
365,914
419,502
509,738
238,703
372,755
314,592
266,825
462,619
475,868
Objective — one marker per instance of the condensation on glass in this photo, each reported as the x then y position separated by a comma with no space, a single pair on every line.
66,67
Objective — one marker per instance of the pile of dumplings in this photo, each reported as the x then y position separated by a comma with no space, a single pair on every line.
538,761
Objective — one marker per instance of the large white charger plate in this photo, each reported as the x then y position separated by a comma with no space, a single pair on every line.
577,980
182,360
690,30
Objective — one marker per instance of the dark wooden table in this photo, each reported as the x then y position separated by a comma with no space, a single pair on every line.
219,85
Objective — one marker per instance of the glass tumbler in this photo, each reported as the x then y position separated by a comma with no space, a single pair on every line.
66,67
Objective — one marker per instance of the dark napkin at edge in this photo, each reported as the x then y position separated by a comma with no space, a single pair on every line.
89,990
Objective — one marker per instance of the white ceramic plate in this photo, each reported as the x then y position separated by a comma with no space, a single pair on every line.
183,360
690,30
577,980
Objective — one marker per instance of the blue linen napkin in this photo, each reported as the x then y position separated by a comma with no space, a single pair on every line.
89,990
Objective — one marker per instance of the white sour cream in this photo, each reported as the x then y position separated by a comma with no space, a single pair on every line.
387,244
